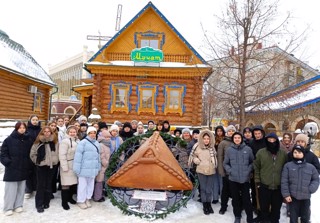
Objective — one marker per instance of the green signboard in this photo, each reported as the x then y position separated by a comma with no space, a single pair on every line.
146,54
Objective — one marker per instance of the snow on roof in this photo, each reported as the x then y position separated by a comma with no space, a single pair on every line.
132,63
295,98
13,56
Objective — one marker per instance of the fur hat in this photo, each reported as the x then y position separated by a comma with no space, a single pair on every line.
91,129
127,124
231,127
302,137
177,130
114,127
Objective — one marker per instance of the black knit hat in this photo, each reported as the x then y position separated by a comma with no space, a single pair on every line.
197,131
127,124
299,148
84,124
102,125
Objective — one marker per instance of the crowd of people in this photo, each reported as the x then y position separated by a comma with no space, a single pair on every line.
258,172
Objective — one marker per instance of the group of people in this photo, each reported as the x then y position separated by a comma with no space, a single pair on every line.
257,171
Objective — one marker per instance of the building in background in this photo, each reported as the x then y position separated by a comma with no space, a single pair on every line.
25,85
147,71
67,74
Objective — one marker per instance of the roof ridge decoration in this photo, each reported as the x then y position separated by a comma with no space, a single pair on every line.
149,5
152,166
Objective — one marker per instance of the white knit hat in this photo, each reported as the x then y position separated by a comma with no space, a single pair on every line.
114,127
91,129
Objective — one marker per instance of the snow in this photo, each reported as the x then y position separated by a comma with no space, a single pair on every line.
132,63
106,212
15,57
279,102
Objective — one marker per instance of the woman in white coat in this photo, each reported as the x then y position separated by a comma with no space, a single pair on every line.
66,155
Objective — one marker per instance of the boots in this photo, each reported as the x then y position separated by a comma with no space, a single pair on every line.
65,198
70,199
205,208
209,207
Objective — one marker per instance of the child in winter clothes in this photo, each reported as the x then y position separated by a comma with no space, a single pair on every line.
86,165
104,140
203,154
298,181
116,140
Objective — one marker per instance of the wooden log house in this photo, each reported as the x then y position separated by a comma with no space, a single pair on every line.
147,71
25,86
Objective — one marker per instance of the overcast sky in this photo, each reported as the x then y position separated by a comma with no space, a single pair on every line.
52,31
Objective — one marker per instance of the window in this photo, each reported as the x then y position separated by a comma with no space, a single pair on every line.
147,94
37,102
149,38
120,93
174,95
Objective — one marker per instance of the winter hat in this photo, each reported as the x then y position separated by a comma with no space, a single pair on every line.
186,130
237,133
197,131
91,129
299,148
105,133
71,127
114,127
140,123
172,128
302,137
272,135
272,147
102,125
247,129
127,124
134,122
231,127
118,123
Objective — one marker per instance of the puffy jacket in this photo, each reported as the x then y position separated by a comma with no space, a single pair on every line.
299,180
238,163
14,156
86,161
67,151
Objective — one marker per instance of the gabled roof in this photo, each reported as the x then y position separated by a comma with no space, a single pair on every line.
15,59
300,95
149,5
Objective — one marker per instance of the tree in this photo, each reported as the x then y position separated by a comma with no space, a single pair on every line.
243,70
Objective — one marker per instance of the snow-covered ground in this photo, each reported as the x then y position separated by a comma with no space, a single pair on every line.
106,212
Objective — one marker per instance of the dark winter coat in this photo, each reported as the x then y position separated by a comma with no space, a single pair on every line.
190,145
255,144
33,130
268,168
310,157
15,156
222,148
238,163
299,180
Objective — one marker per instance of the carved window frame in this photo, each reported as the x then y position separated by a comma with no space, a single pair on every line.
149,35
181,89
126,104
147,86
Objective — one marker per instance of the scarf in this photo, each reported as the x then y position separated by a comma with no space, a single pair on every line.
41,151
